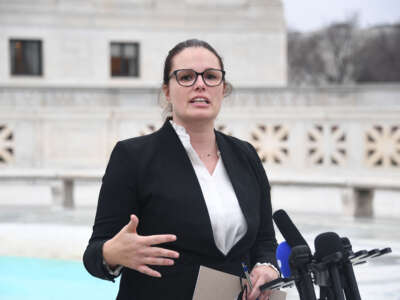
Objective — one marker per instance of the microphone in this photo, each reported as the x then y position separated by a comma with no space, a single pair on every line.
289,231
282,256
329,251
283,252
369,255
361,256
299,261
300,257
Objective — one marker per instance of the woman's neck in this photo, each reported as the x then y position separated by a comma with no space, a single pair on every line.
202,136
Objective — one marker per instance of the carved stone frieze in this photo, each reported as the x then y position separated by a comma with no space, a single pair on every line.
326,145
382,146
6,144
271,143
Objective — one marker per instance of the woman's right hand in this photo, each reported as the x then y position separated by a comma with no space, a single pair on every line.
134,251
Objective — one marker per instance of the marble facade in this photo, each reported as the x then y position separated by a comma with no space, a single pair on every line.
76,37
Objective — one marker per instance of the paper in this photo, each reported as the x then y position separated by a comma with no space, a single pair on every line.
216,285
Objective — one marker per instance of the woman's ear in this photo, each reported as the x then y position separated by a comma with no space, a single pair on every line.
165,90
227,89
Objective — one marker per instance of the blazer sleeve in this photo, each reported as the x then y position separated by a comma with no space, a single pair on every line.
265,245
117,201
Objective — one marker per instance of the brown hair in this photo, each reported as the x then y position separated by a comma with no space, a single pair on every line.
178,49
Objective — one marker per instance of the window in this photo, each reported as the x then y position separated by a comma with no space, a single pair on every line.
125,59
26,57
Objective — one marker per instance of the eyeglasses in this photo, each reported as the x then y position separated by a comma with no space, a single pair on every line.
188,77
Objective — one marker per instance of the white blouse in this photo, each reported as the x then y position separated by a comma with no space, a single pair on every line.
227,220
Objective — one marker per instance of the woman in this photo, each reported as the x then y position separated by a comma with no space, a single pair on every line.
184,196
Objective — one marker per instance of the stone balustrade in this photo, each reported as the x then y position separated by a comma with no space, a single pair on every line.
335,132
357,195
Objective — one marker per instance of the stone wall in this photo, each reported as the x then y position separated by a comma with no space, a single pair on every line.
338,130
320,133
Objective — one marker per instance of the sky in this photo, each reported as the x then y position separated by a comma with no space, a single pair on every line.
306,15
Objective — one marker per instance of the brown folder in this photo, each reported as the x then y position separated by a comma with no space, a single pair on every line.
216,285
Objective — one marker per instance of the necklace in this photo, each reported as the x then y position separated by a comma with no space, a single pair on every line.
208,155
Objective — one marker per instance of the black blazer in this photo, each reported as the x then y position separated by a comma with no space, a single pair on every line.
152,176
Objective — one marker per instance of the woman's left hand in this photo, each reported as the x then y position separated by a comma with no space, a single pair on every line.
259,276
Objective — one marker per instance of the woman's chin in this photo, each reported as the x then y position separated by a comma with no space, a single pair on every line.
197,116
202,116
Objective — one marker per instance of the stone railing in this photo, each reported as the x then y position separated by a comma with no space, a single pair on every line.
330,130
346,132
357,193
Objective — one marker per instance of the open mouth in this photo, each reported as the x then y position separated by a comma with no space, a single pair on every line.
200,100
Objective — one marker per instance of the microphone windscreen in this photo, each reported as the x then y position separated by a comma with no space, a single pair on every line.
282,256
326,244
288,229
345,242
348,249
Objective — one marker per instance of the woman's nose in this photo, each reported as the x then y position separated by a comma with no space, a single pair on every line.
199,84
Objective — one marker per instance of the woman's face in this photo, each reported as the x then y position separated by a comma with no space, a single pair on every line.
198,102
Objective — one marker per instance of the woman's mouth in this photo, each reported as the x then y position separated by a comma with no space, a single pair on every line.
200,100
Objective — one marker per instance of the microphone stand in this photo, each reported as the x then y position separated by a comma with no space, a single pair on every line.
300,259
328,277
349,279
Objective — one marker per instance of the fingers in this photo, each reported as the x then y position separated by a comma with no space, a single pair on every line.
255,292
244,296
251,294
158,261
159,239
263,296
246,291
159,256
148,271
132,225
160,252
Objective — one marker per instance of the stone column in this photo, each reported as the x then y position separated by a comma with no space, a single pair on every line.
358,202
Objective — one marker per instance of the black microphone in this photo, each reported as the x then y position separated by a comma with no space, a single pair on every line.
329,251
289,231
356,256
300,257
369,255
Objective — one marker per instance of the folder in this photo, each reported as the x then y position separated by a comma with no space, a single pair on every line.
216,285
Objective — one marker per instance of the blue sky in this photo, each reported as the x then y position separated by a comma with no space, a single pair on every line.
308,15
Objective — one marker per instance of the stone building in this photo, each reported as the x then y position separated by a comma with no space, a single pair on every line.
123,43
66,61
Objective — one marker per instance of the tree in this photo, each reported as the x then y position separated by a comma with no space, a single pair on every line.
378,60
339,45
306,64
342,53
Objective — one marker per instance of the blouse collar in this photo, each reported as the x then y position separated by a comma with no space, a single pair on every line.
185,137
182,134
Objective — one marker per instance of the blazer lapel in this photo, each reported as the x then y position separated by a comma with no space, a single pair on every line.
234,168
182,171
237,168
179,166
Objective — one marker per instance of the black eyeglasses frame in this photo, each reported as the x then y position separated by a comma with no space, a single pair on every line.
197,76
